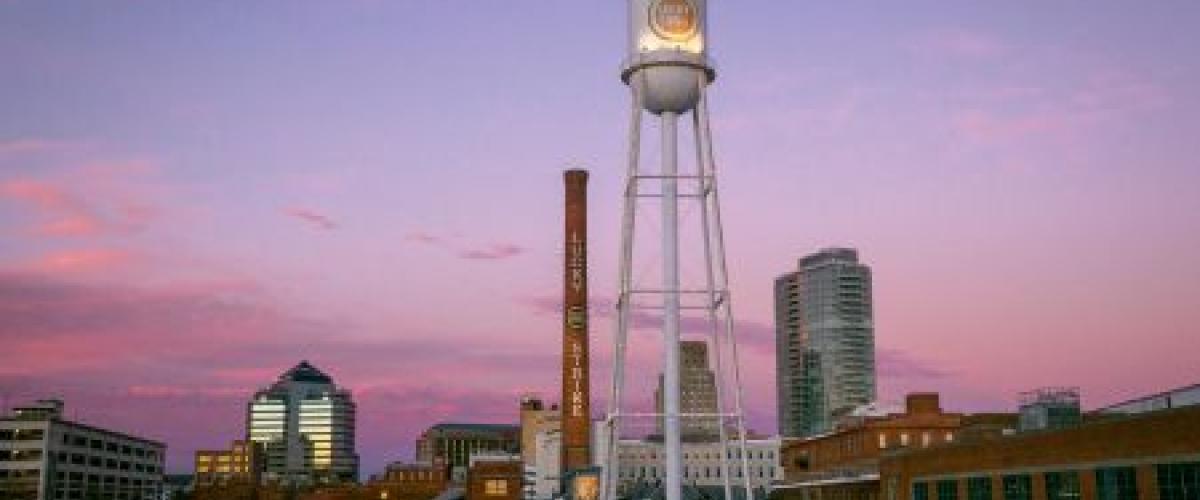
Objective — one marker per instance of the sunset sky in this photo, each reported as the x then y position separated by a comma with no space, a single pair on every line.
194,196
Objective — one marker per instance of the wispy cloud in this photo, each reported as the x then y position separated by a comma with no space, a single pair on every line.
95,199
63,213
496,251
221,341
317,220
423,238
30,145
453,244
1016,113
81,260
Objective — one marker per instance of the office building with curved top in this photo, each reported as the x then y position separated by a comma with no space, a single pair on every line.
305,424
825,341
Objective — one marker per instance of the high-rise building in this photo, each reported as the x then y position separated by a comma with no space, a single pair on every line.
305,424
697,393
44,456
825,341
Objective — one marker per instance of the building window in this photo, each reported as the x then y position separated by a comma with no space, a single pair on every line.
903,439
979,488
947,489
1116,483
882,440
1179,481
1062,485
920,491
1018,487
925,439
495,487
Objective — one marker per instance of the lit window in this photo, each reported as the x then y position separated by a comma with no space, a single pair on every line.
495,487
925,439
903,439
949,437
882,440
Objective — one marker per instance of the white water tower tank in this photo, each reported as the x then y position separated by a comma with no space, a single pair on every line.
668,58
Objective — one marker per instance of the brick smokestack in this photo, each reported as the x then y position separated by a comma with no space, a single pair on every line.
576,413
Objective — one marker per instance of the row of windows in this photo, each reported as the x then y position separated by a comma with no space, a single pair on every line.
418,475
108,492
22,434
20,455
730,454
927,438
107,463
644,472
1178,481
72,478
108,446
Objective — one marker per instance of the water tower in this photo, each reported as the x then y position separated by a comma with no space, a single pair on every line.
668,72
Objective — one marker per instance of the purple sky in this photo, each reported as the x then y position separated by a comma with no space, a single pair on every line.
195,196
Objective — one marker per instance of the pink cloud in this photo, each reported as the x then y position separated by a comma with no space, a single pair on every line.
64,214
317,220
987,127
423,237
29,146
208,346
1021,113
497,251
61,212
86,260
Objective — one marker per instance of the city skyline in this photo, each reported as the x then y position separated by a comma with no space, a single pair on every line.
194,198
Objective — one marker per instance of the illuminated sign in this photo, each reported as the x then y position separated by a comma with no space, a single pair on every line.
586,487
674,20
576,323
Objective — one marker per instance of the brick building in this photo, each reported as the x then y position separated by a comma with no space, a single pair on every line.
845,463
241,463
495,477
1145,456
420,481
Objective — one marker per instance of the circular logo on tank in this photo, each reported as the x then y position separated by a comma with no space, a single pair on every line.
673,19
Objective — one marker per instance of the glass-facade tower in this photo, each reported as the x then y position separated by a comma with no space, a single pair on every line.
825,341
306,426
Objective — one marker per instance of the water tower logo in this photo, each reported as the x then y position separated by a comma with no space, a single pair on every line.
673,20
